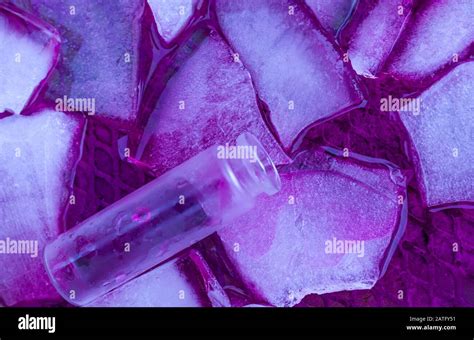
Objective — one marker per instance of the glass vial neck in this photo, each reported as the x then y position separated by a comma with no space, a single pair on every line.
254,170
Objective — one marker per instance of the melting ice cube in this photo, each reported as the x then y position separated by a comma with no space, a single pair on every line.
333,227
331,13
37,158
100,59
171,16
28,51
443,134
296,70
372,40
439,33
210,100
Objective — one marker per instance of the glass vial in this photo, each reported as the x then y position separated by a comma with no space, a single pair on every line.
160,219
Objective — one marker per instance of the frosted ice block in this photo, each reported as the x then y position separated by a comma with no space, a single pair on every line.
209,100
165,286
38,155
443,135
439,34
296,68
29,50
332,227
372,40
182,282
171,16
100,55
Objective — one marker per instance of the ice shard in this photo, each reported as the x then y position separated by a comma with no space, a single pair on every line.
296,70
28,51
442,133
438,34
333,227
99,53
171,16
331,13
38,155
215,292
372,39
210,100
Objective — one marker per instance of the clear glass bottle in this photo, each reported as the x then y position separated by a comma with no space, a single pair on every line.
157,221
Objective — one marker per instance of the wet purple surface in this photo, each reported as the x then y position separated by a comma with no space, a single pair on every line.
433,264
